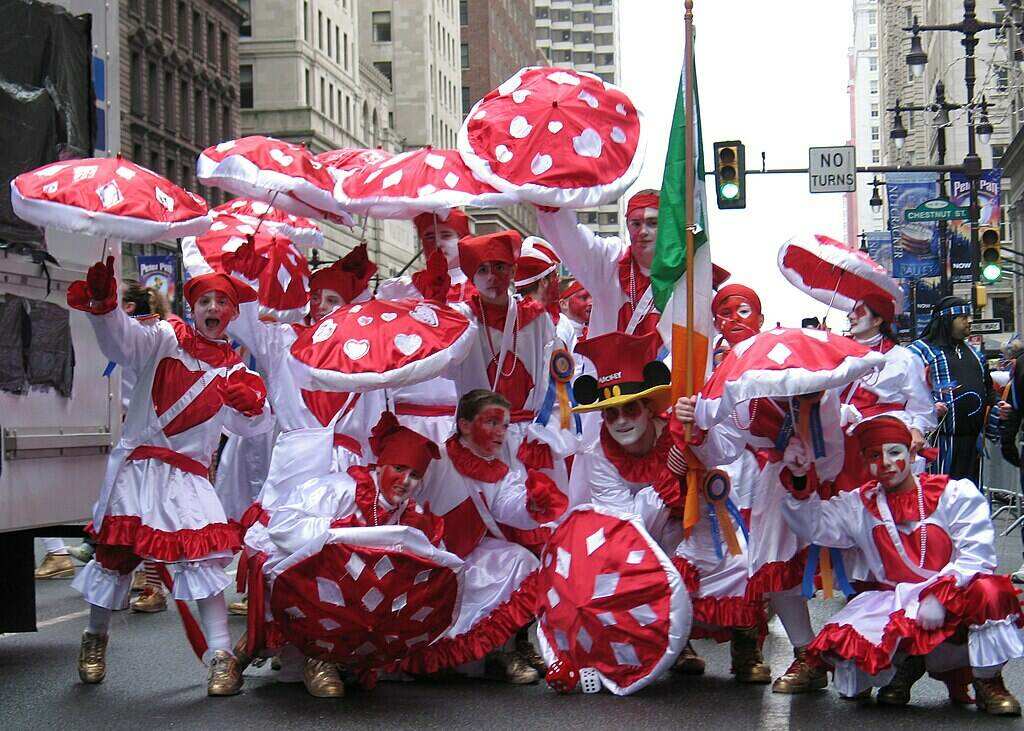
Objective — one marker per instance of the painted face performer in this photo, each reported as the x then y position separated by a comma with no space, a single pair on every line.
930,543
481,496
616,274
157,502
960,385
737,312
576,304
381,494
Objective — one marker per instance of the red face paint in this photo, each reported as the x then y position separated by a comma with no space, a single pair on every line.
487,430
397,483
737,319
888,463
580,305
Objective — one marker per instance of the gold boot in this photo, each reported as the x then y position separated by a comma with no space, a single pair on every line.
225,676
139,580
150,601
800,677
241,652
689,662
56,566
748,664
510,668
529,654
992,697
239,608
897,692
92,658
322,679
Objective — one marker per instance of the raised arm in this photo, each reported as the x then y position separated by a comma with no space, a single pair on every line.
591,259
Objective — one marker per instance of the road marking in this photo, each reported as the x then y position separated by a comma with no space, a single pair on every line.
55,620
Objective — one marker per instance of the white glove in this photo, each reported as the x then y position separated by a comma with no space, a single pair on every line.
849,416
796,457
931,614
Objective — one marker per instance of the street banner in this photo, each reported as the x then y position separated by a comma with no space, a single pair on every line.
918,303
879,245
989,188
159,272
915,251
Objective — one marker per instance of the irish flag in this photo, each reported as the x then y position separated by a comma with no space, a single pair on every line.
668,272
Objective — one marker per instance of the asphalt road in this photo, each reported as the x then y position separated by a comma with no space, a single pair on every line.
154,681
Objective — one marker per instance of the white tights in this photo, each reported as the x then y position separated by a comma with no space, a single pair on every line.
792,610
213,615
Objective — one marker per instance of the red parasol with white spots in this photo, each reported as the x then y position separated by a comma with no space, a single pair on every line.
381,344
108,197
281,173
357,600
414,182
283,285
348,159
833,273
556,137
611,600
298,229
781,363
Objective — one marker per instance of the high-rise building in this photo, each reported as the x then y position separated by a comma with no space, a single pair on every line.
179,87
896,83
303,78
496,40
584,36
865,114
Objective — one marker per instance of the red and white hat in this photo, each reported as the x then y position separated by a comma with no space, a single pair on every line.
235,290
455,219
536,260
348,276
503,246
882,430
627,369
396,445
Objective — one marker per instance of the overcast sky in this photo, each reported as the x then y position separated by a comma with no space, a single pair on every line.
772,75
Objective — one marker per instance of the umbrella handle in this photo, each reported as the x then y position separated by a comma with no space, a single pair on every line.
835,292
269,206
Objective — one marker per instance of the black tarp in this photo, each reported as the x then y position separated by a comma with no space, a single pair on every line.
46,97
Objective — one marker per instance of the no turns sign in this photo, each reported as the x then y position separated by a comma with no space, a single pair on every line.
833,169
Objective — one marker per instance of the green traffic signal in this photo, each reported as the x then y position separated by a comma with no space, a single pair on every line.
991,272
729,191
730,175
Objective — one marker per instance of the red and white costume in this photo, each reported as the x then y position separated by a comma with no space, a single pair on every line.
480,501
946,522
157,502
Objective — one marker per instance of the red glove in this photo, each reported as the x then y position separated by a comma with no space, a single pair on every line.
243,398
434,282
562,677
245,261
548,209
100,281
544,501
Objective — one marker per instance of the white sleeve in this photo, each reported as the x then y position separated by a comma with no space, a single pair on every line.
309,509
126,341
507,501
920,404
398,288
970,528
607,488
652,511
833,523
723,444
263,339
592,260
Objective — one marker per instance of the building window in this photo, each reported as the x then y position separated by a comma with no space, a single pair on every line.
183,99
133,7
305,20
876,156
197,119
330,102
381,22
323,93
872,17
245,95
997,17
337,45
197,31
874,111
874,134
169,100
583,57
997,154
211,126
154,162
873,40
873,64
348,114
606,59
245,24
908,11
211,40
330,41
464,55
464,12
320,29
1002,78
153,93
466,101
137,71
151,11
224,51
1002,307
182,27
165,17
186,176
873,86
604,19
344,49
384,67
540,14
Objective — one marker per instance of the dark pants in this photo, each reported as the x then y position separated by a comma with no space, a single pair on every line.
958,454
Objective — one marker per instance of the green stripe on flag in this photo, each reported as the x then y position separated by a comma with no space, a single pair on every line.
669,264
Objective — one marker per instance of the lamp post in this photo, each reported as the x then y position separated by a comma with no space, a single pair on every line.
969,28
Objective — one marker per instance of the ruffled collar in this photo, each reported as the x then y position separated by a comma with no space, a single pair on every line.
473,466
877,343
640,280
643,469
903,505
212,352
366,496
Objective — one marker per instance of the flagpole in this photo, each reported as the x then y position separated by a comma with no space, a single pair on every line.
690,172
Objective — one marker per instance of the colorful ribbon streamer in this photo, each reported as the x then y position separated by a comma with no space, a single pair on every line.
833,572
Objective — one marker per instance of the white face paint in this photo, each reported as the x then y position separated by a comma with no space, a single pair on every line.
862,322
447,240
629,423
492,280
890,464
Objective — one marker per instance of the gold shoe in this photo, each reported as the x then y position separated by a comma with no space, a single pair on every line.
56,566
509,667
748,664
689,662
225,676
139,580
150,601
92,658
801,676
897,692
322,679
531,657
241,607
992,697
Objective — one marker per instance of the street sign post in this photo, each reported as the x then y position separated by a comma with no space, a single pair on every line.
994,325
832,169
936,209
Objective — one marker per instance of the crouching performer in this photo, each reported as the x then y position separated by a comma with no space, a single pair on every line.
929,542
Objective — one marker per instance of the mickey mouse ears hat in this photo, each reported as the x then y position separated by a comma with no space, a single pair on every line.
628,369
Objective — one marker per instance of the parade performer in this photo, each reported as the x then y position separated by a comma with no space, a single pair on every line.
156,501
899,389
381,494
479,494
576,304
616,274
960,385
429,407
931,545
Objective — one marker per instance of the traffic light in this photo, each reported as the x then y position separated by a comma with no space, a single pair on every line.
730,175
991,255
